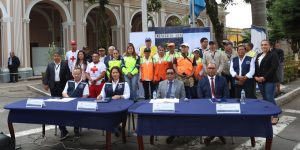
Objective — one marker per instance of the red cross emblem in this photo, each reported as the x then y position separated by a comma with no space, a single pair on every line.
94,69
72,58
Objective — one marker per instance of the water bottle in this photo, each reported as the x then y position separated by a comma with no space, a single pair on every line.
154,95
243,97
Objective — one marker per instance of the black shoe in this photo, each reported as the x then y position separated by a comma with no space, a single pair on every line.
170,139
10,82
64,135
223,140
208,139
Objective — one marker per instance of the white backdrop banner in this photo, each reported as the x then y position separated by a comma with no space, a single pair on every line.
257,35
192,36
138,39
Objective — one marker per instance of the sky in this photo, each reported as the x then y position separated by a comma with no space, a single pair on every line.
239,15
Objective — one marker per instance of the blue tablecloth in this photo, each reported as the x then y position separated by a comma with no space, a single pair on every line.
107,117
199,117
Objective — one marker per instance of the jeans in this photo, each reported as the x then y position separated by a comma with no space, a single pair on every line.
267,90
133,85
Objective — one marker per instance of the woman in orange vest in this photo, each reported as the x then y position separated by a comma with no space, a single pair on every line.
199,72
147,70
161,64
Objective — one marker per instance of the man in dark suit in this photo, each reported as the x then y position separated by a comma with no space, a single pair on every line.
13,64
57,74
213,86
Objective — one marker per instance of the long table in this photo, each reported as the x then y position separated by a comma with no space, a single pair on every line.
108,116
198,117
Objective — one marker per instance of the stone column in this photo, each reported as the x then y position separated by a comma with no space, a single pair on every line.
67,35
127,24
80,28
144,15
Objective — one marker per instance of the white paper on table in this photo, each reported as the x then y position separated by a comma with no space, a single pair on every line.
228,108
59,100
163,107
164,100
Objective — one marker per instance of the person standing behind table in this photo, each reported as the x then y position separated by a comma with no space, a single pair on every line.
148,44
56,76
185,66
213,86
102,54
203,46
115,61
81,63
242,69
250,51
71,56
171,53
95,73
214,56
88,56
130,68
199,72
280,54
161,65
13,65
74,88
110,54
171,88
229,53
266,64
147,73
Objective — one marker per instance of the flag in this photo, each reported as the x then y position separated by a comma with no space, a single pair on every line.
199,7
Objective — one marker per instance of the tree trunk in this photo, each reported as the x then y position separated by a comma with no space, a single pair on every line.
212,11
259,12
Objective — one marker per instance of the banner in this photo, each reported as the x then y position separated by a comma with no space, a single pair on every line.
257,35
138,39
192,36
165,35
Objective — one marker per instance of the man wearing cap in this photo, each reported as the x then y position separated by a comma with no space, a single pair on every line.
214,56
172,53
147,70
199,72
229,54
185,66
102,55
71,55
148,44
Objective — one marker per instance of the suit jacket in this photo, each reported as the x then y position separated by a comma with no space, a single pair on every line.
218,59
177,88
64,74
267,67
15,63
221,88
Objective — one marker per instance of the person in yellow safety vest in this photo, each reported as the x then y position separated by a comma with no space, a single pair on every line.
250,52
172,53
185,66
130,67
199,72
148,44
147,73
161,64
115,61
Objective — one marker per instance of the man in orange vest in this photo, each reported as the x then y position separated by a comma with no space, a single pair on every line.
147,70
185,66
161,64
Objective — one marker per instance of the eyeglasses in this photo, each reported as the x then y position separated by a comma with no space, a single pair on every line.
170,73
211,68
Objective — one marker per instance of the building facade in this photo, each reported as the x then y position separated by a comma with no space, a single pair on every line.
29,26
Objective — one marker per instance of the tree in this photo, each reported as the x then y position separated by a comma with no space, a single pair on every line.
284,19
102,32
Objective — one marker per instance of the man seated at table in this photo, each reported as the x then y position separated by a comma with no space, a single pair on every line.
171,88
74,88
212,86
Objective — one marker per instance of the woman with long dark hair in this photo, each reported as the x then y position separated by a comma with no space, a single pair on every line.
81,62
116,87
130,68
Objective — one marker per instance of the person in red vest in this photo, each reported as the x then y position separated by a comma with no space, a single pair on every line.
95,73
147,70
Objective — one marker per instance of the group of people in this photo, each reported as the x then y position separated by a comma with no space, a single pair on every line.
204,73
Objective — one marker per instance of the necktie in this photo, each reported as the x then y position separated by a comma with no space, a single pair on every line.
212,87
169,90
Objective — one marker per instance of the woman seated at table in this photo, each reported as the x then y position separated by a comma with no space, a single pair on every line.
116,87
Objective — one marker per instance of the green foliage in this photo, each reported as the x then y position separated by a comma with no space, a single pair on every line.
283,17
154,5
53,49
